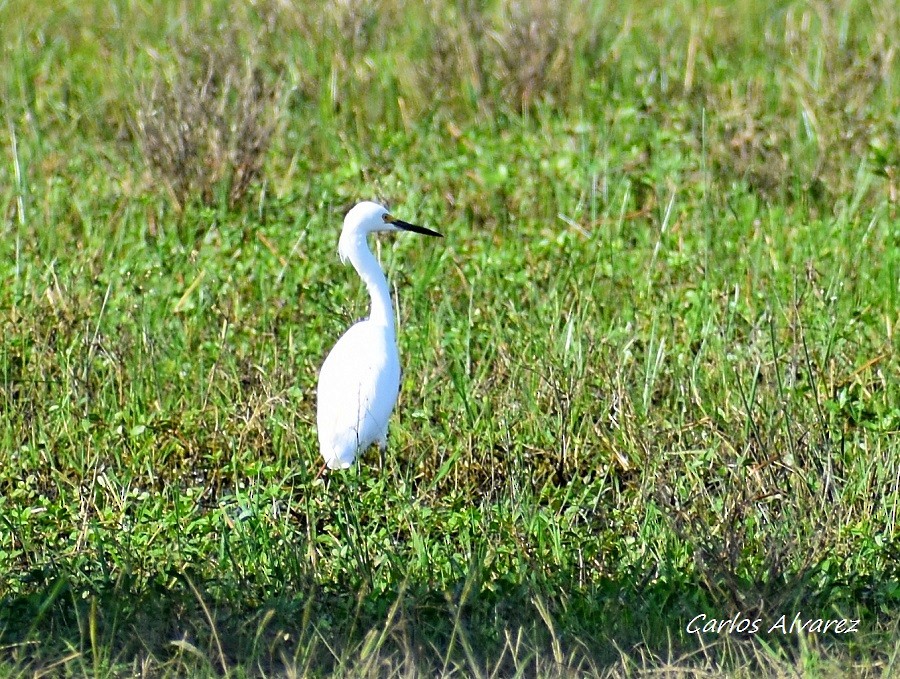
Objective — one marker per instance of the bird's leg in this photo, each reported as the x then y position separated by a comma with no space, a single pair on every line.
321,471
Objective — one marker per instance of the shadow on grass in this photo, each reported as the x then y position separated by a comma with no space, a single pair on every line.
504,627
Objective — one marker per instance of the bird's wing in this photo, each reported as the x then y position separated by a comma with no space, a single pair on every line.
358,386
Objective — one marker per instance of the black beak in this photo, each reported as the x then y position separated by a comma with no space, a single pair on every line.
406,226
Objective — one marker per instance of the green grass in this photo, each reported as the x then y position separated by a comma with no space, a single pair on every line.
651,372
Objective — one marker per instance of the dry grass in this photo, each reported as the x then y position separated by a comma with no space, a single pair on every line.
820,115
533,49
513,56
205,125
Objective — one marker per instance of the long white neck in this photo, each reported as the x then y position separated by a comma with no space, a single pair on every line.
355,248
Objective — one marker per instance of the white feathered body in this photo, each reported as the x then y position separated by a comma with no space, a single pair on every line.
360,379
358,387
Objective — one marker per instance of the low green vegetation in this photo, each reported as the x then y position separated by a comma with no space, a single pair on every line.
650,373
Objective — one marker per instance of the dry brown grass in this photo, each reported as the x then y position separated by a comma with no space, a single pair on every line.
511,56
205,126
533,45
820,115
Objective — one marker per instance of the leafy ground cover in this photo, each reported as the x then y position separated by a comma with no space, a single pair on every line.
650,373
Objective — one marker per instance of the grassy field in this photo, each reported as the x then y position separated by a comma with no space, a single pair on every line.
650,373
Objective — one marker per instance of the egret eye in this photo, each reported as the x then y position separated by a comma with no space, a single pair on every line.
387,218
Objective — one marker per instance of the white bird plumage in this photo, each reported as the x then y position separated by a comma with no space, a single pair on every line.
360,378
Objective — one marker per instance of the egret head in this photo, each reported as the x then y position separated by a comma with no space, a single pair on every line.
366,217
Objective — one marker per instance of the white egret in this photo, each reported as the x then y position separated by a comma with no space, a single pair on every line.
360,378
